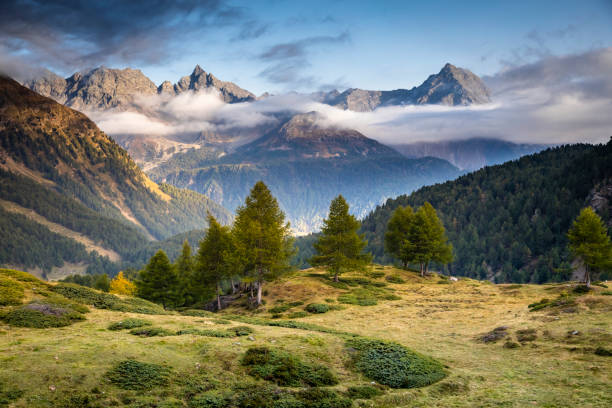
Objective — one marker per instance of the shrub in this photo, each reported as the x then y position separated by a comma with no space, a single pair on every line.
240,330
394,365
42,315
11,292
580,289
321,398
394,279
130,323
317,308
526,335
211,399
600,351
364,392
151,332
296,303
330,300
297,315
206,333
197,313
285,369
279,309
103,300
600,284
607,293
376,274
135,375
352,299
511,344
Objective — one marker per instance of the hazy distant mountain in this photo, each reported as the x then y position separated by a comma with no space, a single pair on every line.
66,186
104,88
306,166
451,86
470,154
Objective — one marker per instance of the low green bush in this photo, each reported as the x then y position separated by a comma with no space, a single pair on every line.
11,292
607,293
321,398
285,369
297,315
279,309
240,330
580,289
135,375
364,392
394,365
129,323
206,333
511,344
394,279
296,303
41,315
562,300
317,308
352,299
211,399
600,351
7,396
600,284
375,274
151,332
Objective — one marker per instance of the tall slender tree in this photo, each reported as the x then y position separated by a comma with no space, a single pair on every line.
214,260
589,241
184,266
262,238
398,235
339,247
158,281
428,241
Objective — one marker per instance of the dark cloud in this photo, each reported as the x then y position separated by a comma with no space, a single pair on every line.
68,34
289,60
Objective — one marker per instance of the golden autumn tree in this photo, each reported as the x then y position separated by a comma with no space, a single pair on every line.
120,285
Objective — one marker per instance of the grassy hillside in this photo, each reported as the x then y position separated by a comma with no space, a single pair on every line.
509,222
481,345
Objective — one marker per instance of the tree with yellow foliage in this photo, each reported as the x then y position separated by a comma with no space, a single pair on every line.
120,285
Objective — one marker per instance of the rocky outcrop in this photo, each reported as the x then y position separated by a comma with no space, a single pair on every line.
451,86
200,79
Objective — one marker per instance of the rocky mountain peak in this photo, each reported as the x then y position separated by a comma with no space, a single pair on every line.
197,71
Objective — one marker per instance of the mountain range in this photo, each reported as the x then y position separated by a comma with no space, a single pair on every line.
77,191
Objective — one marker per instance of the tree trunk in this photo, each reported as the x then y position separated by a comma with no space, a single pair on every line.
259,285
251,288
218,297
426,267
336,277
233,287
422,270
587,276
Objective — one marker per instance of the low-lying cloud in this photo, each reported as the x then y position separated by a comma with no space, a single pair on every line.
556,100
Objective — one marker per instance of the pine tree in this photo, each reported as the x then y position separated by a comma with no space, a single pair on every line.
184,266
262,239
397,237
339,247
428,241
215,258
589,241
158,281
121,285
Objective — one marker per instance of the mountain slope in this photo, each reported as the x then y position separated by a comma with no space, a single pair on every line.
451,86
306,166
509,222
57,163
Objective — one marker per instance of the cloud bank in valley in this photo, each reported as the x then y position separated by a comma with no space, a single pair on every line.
555,100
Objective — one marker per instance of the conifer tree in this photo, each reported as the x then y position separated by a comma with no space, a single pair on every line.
428,241
214,259
339,247
589,241
184,266
262,238
158,281
398,235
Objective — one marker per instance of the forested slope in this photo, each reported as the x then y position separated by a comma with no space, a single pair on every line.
509,222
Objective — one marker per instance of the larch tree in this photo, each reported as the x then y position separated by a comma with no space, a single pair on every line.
589,241
120,285
262,238
428,241
215,258
184,266
158,281
398,235
339,247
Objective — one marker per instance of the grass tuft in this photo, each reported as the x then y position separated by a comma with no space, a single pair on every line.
135,375
130,323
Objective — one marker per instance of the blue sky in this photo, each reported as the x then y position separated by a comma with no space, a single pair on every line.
279,45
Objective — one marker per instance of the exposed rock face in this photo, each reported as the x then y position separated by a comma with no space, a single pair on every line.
200,79
105,88
451,86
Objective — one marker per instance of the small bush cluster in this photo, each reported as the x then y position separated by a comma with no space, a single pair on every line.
42,315
101,300
279,309
394,365
130,323
317,308
394,279
353,299
240,330
11,292
206,333
375,274
285,369
152,332
136,375
563,300
600,351
297,315
364,392
581,289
